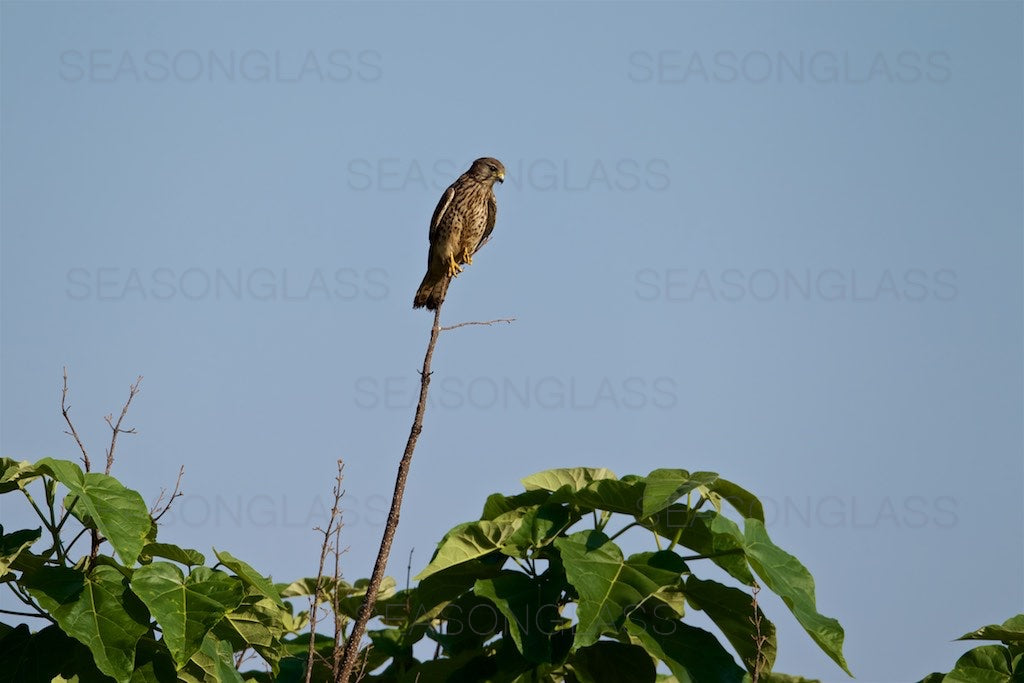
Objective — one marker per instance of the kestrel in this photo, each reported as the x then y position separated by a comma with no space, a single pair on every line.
461,224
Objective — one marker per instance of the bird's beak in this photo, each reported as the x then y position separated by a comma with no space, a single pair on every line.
501,176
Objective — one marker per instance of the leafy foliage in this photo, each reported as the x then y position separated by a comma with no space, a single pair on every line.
990,663
129,617
537,589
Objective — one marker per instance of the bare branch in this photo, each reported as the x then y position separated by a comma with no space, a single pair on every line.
65,410
334,524
339,618
485,322
760,659
116,428
351,652
157,512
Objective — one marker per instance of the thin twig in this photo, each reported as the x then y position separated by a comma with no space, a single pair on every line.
16,613
116,428
335,520
485,322
351,651
65,410
760,660
339,618
156,513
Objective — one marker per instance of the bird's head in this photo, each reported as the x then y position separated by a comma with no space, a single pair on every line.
487,170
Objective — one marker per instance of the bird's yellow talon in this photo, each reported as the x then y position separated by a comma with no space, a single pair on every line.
453,268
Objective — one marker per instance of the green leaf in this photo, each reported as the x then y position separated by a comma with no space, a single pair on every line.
609,588
44,656
168,551
440,588
213,663
539,526
1010,631
97,610
12,545
691,654
790,580
985,664
608,661
119,513
153,663
307,586
16,474
745,502
732,610
575,477
708,533
471,540
614,495
530,605
249,576
470,621
186,607
257,622
498,504
664,487
350,599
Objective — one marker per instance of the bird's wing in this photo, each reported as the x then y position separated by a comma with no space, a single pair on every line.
442,207
492,216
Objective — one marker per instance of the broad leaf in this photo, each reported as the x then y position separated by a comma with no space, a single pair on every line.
745,502
97,610
691,654
350,600
119,513
186,607
213,663
168,551
539,526
498,504
575,477
440,588
12,545
471,540
609,588
469,622
708,533
614,495
985,664
664,487
153,663
49,654
530,605
249,576
607,660
1010,631
790,580
732,611
15,474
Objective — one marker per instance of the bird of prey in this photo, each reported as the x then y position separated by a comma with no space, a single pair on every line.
461,224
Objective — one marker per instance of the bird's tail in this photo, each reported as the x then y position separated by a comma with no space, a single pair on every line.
431,292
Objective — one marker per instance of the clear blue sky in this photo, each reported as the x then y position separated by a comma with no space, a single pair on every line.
778,241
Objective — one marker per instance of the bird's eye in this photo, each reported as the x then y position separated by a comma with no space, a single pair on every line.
493,168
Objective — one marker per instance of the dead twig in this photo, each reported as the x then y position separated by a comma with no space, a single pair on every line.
331,536
484,322
157,512
65,410
350,654
760,660
116,428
